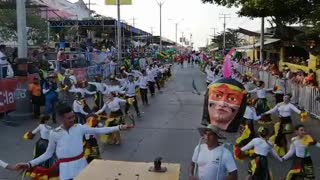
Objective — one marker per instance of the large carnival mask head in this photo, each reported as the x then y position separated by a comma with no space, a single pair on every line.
224,104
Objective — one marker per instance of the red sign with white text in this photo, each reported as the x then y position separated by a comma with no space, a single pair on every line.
7,94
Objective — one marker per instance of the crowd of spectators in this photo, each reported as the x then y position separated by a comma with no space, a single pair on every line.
298,60
299,77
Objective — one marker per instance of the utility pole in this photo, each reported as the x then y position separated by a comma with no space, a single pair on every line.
214,32
23,110
119,31
133,21
262,40
151,28
89,6
160,6
176,24
133,25
224,16
176,29
182,38
22,29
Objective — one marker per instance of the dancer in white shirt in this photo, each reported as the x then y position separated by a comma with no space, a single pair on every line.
262,102
100,88
130,87
258,167
143,85
42,144
285,127
67,142
302,166
113,106
82,89
247,125
285,110
81,108
151,80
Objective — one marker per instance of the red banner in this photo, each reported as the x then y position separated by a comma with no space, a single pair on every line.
80,73
7,94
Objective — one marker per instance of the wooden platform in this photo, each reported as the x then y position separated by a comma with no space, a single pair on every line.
120,170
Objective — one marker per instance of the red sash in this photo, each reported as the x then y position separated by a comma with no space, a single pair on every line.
40,171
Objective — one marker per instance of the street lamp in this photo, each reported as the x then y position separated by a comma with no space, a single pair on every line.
160,6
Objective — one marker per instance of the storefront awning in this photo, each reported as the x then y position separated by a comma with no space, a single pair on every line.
248,47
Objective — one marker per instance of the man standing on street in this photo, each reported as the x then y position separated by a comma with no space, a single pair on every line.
212,160
66,142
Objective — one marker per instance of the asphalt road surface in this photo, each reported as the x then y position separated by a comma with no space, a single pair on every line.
168,128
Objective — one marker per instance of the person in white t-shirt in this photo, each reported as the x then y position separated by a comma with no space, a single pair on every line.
212,161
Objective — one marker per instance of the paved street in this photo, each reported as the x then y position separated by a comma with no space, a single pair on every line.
167,129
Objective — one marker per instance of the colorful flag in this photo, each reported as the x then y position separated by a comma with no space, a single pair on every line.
227,65
114,2
205,58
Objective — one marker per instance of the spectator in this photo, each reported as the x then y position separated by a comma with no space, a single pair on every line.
212,152
311,78
5,67
61,57
36,96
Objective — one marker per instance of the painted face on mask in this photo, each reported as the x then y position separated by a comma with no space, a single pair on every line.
224,103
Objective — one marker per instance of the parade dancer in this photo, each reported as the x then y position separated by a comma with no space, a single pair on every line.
247,126
302,166
151,80
81,108
210,74
284,128
130,88
278,140
114,87
279,88
82,89
114,106
67,142
262,102
98,99
258,167
41,145
143,85
91,146
157,76
285,110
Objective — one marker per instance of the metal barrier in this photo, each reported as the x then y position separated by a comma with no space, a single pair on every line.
303,96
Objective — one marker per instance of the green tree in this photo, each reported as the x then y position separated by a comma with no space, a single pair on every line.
37,26
233,39
280,12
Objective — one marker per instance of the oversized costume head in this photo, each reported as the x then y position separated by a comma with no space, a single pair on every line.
224,104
